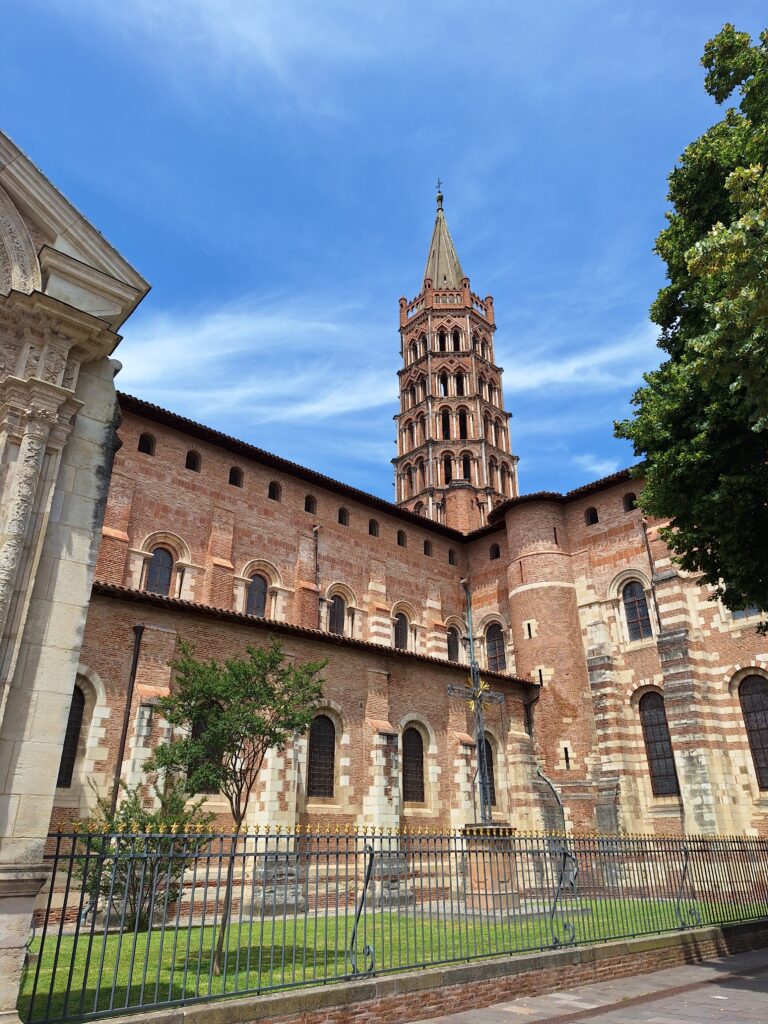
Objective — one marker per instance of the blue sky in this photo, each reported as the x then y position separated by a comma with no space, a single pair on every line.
270,167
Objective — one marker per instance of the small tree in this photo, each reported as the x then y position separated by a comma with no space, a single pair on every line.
134,856
231,715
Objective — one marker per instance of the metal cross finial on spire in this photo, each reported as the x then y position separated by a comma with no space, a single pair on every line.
439,193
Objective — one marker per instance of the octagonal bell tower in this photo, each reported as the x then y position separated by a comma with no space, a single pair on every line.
454,461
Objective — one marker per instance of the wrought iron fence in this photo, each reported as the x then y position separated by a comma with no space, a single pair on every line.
135,921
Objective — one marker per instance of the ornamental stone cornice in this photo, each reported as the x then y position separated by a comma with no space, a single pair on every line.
40,321
34,198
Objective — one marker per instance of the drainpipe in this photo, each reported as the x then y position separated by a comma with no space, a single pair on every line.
138,632
316,535
644,524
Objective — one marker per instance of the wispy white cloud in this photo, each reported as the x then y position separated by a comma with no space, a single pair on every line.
583,367
262,360
595,465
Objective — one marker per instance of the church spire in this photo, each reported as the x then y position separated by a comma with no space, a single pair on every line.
454,461
443,267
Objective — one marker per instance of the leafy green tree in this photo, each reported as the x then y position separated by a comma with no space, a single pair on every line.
701,420
133,857
227,716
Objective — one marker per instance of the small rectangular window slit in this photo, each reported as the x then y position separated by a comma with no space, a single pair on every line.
567,755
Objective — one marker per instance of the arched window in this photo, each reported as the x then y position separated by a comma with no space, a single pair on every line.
423,345
494,648
373,528
159,572
488,429
412,352
658,745
494,552
451,556
321,757
343,517
410,436
401,631
256,603
636,611
413,767
401,539
591,517
491,773
630,502
456,341
453,643
422,474
235,477
466,467
460,384
337,615
445,424
441,345
310,504
504,478
443,384
71,738
492,473
146,444
192,462
273,491
447,469
462,424
418,508
753,696
428,548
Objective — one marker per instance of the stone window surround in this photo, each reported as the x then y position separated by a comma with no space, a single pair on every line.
616,603
184,576
277,595
353,625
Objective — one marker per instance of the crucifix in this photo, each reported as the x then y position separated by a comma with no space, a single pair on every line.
477,694
439,184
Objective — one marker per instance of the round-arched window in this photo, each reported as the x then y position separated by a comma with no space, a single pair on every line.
337,615
159,572
636,611
453,643
494,648
753,697
257,596
321,757
401,631
71,738
413,767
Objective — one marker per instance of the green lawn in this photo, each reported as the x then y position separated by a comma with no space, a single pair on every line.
270,954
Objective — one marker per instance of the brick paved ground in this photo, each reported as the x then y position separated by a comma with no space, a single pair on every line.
731,989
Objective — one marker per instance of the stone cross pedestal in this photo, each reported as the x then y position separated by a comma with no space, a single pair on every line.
490,869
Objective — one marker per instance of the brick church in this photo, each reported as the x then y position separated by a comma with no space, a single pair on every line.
632,701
